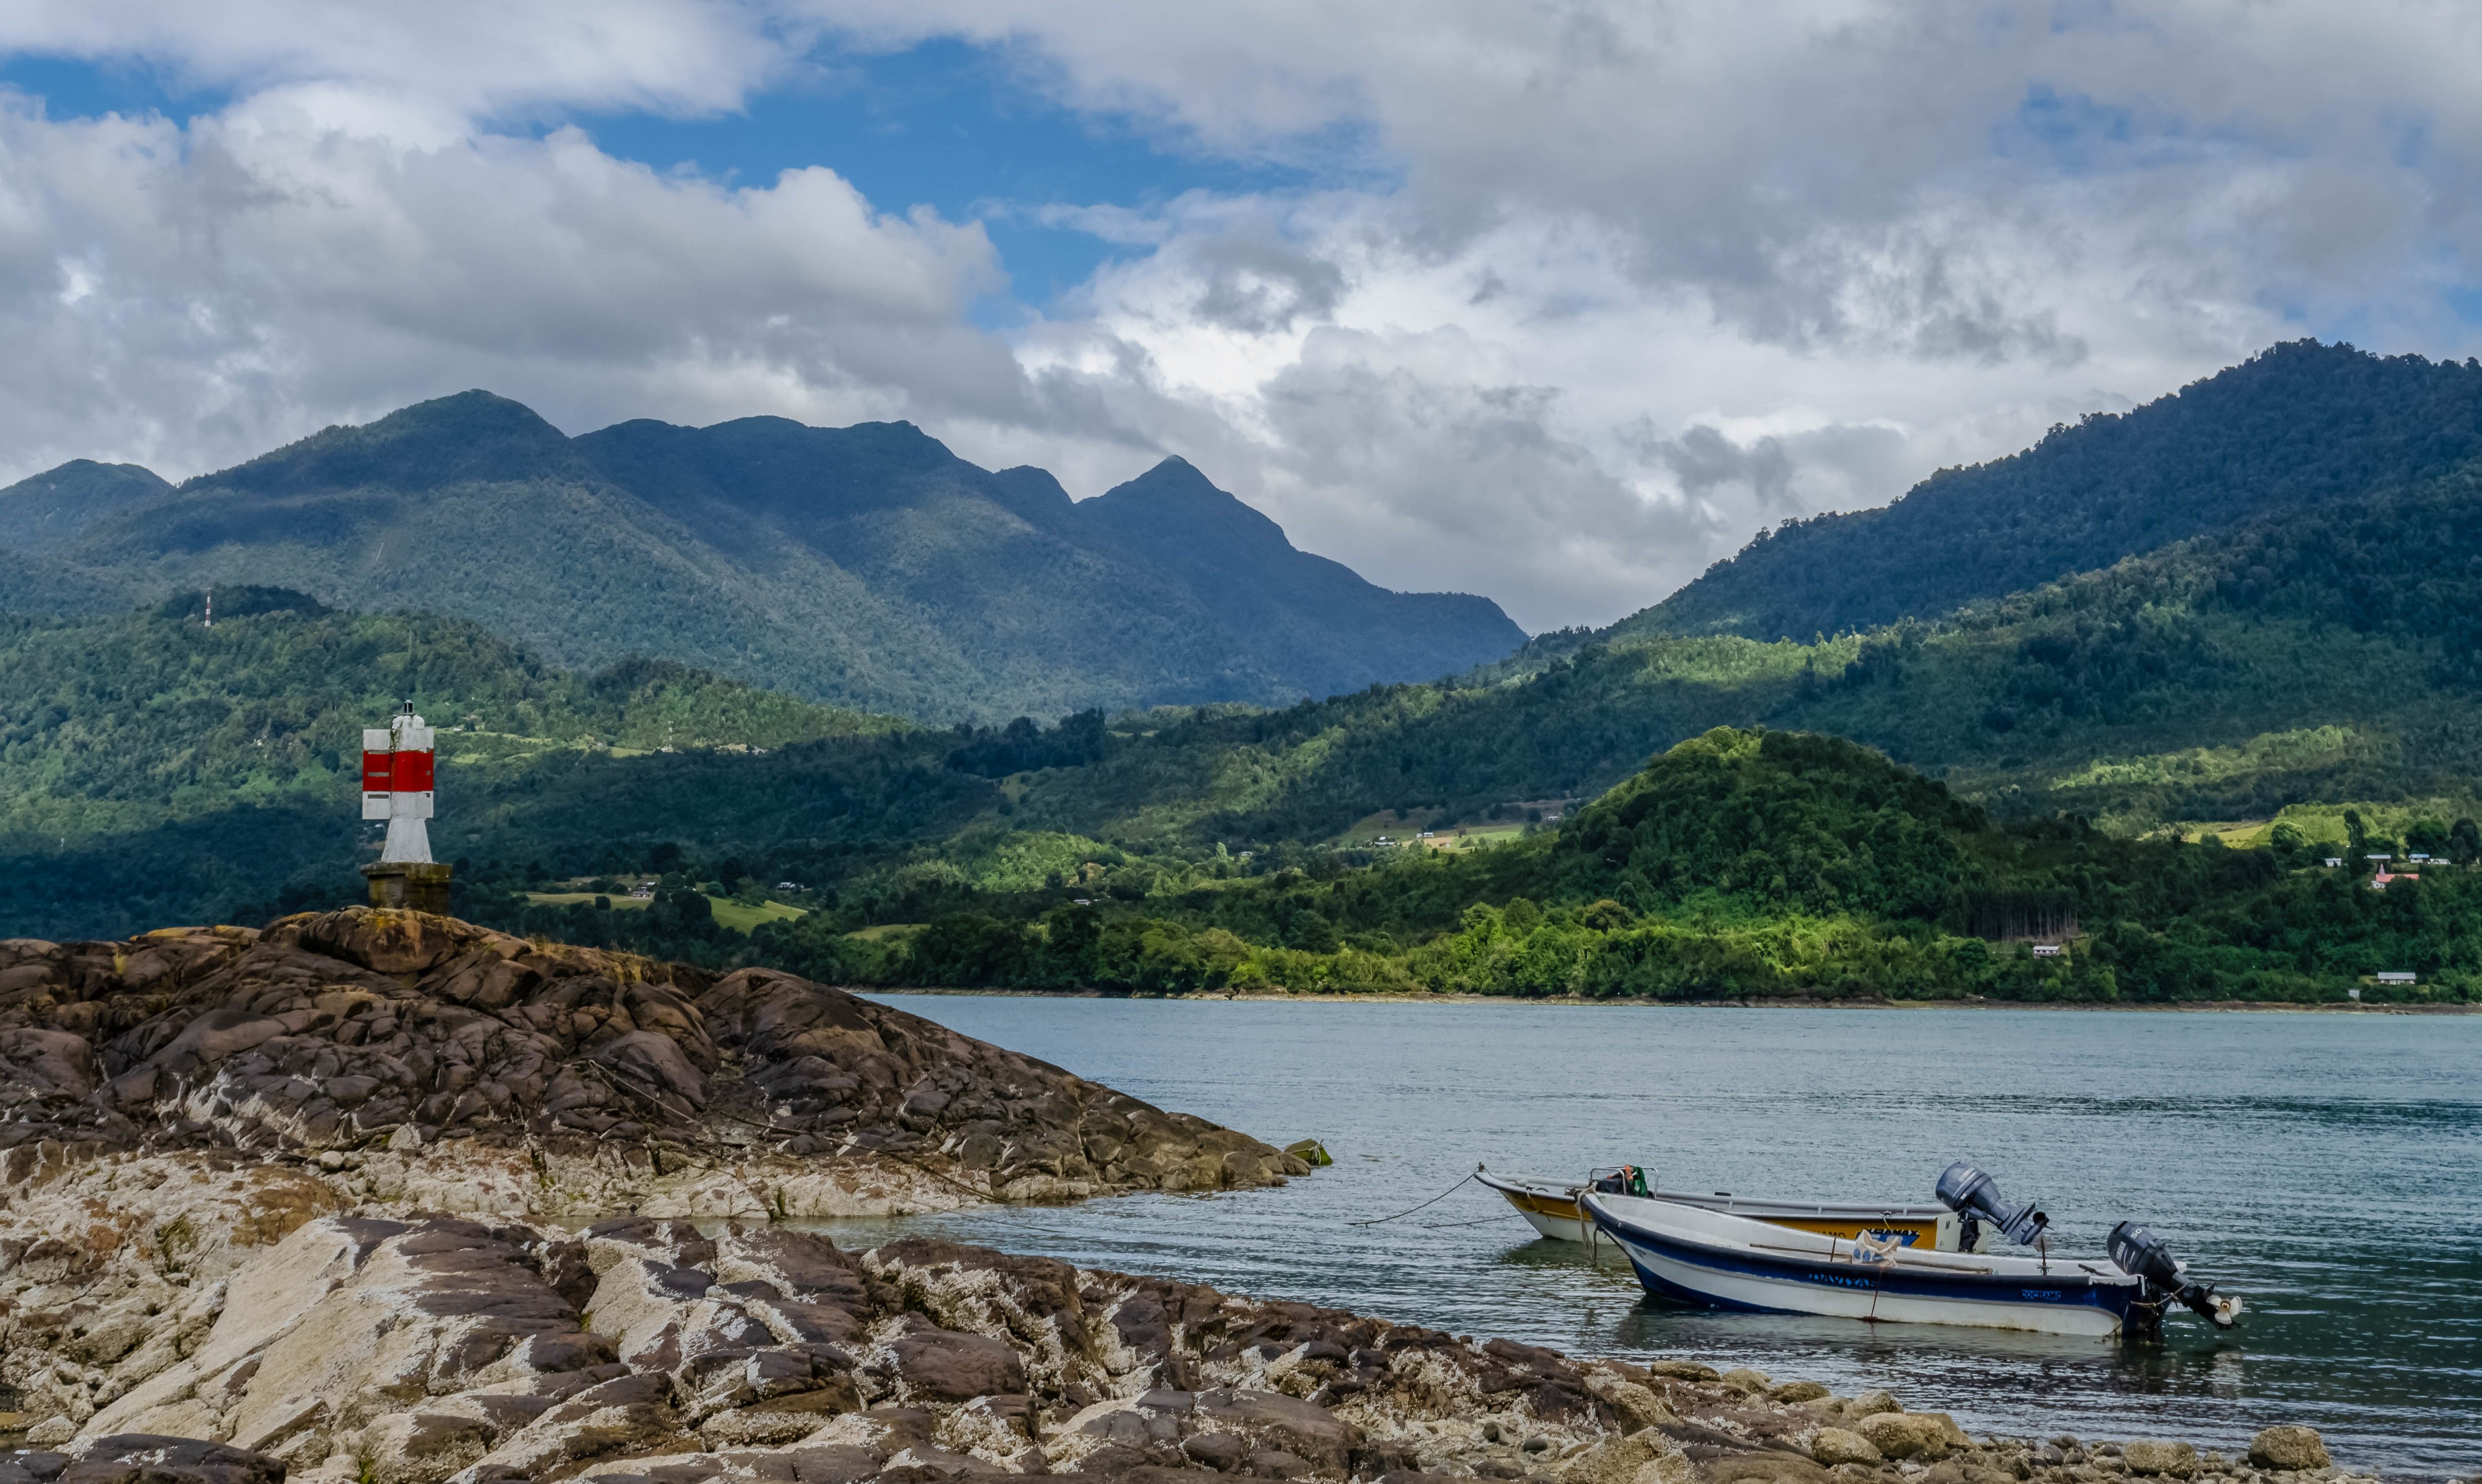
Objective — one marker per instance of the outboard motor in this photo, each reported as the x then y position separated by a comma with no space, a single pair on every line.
2164,1280
1972,1195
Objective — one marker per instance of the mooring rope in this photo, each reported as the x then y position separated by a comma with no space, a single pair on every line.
1408,1211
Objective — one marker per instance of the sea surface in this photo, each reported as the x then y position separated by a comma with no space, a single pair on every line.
2328,1167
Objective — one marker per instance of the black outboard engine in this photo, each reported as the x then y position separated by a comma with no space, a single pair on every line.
1972,1195
2162,1281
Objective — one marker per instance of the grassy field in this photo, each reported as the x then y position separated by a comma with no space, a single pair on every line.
1406,829
728,912
740,918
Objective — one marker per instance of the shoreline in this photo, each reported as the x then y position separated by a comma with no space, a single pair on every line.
1393,997
638,1348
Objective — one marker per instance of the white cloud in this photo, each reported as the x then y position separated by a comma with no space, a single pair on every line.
1604,288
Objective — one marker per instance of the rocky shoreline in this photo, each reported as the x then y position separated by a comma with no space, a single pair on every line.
364,1350
402,1057
306,1205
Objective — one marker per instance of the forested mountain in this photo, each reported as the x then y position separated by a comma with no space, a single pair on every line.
2303,668
2299,425
2324,654
865,566
54,506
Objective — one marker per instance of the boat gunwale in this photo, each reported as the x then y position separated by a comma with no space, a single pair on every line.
2081,1282
1732,1205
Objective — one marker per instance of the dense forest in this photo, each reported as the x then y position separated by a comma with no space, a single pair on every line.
1739,864
2299,425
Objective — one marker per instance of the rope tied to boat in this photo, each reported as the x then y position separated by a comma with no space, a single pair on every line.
1425,1205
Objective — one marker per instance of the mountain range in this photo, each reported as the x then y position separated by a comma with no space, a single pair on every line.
865,566
2307,644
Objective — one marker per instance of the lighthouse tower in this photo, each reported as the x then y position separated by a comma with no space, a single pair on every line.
397,787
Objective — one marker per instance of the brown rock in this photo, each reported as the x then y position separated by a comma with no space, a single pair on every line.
2289,1447
1290,1426
2176,1460
1795,1392
1759,1468
136,1458
1904,1434
1837,1445
941,1364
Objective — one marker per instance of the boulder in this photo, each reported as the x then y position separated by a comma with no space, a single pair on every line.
2175,1460
1634,1406
1621,1460
1904,1434
1748,1382
138,1458
1795,1392
2289,1447
1836,1445
1276,1422
1871,1404
940,1365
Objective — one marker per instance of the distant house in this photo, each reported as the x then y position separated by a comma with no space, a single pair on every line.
642,894
2335,860
2379,882
2419,858
2382,857
2047,950
2395,976
790,886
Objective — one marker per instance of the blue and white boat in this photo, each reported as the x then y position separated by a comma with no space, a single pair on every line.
1728,1262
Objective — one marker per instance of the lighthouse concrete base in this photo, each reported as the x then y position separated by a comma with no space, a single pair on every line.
409,886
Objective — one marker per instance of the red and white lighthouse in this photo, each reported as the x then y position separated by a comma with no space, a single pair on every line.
397,785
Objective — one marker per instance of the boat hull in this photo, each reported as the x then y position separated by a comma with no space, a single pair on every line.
1551,1208
1709,1264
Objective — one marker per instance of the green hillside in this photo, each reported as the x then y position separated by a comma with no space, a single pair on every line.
152,769
1737,864
863,566
2299,425
51,508
2299,679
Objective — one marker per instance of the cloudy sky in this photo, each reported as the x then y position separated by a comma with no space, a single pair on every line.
1554,301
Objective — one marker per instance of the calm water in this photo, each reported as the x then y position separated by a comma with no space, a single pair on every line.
2327,1167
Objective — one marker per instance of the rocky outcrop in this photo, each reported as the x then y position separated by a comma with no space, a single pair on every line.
417,1060
640,1351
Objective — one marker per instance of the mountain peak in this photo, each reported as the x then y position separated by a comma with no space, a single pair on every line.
1176,501
470,435
52,505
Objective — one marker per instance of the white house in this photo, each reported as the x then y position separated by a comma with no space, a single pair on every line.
2047,950
2395,976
